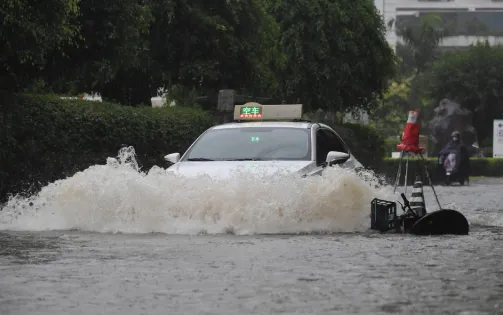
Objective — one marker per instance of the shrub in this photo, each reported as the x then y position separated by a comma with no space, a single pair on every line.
488,167
390,146
45,138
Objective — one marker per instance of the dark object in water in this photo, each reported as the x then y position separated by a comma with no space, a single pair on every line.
441,222
382,215
444,221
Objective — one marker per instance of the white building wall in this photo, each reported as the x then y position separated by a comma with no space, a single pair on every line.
390,9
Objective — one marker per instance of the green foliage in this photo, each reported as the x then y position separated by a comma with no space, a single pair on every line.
422,38
365,143
406,65
473,78
390,116
390,146
324,53
108,54
487,167
212,46
29,30
336,54
45,138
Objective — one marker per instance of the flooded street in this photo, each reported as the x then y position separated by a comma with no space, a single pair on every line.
70,272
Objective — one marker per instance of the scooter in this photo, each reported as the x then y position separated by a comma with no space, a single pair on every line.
449,166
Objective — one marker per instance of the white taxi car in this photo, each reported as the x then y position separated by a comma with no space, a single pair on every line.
264,139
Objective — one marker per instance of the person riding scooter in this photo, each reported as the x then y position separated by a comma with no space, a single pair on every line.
454,160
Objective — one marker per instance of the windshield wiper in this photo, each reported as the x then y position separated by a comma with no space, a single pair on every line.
199,159
246,159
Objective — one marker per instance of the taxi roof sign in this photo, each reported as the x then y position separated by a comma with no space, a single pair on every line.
255,111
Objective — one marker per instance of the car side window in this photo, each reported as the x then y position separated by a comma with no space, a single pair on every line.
333,141
321,147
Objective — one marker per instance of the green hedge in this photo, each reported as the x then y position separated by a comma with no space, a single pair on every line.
45,138
487,167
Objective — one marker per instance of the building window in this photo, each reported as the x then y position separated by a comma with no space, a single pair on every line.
461,23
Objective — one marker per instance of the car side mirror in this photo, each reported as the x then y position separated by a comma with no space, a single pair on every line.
336,157
173,157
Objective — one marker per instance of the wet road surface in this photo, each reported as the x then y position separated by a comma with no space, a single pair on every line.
72,272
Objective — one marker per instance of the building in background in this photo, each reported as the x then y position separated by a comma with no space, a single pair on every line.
466,21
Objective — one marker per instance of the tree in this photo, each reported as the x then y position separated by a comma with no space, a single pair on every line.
336,55
421,42
29,30
390,115
473,78
111,46
422,39
127,49
210,46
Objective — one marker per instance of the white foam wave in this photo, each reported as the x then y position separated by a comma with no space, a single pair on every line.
117,197
490,219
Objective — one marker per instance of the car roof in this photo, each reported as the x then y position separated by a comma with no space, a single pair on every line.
282,124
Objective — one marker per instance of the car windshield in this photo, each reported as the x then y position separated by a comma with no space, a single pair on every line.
252,143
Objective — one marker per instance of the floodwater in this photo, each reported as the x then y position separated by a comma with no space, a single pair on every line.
111,240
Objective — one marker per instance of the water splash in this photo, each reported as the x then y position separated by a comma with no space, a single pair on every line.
119,197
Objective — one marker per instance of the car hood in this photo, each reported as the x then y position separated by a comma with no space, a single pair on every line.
226,169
